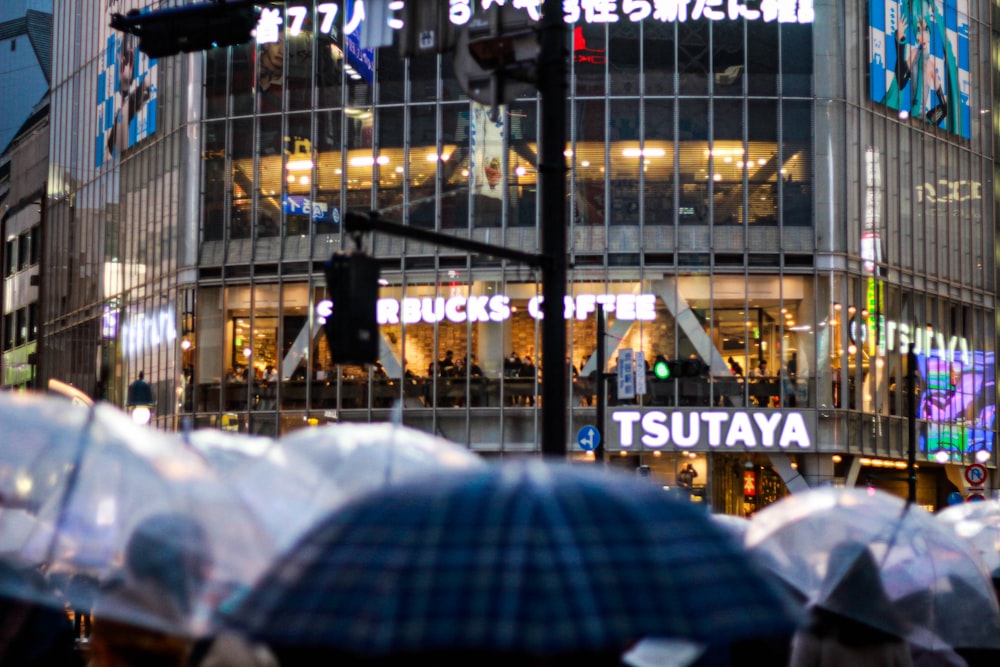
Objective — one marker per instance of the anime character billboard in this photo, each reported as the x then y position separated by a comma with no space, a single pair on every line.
957,403
919,60
126,98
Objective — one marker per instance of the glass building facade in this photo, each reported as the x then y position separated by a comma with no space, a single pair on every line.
790,197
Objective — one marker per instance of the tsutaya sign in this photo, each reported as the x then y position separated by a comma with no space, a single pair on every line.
596,12
711,429
497,308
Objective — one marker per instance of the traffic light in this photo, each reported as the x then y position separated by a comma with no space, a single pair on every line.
673,370
166,32
351,327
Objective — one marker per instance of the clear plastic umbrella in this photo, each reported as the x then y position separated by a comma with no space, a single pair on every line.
938,593
360,458
977,523
125,507
286,491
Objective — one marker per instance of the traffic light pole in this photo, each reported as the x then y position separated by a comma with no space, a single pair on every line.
551,409
552,187
601,391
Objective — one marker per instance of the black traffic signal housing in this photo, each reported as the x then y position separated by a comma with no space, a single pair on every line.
198,27
664,369
352,327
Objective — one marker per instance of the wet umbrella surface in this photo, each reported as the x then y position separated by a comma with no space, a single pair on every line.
533,558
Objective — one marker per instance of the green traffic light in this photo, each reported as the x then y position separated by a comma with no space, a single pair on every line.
661,370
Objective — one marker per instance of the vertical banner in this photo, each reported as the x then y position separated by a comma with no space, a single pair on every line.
626,374
640,373
487,152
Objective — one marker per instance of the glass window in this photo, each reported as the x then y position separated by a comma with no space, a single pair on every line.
328,175
300,158
241,144
242,81
590,51
455,176
762,163
329,73
796,169
762,57
628,159
624,50
658,159
522,134
692,207
693,56
796,70
216,62
588,196
300,67
658,57
728,162
213,199
728,65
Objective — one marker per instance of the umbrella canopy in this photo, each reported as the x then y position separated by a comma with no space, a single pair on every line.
286,491
122,504
923,583
526,558
978,524
361,457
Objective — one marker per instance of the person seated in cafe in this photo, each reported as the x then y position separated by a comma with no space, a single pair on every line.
735,367
448,364
378,371
270,374
475,370
761,371
512,365
407,371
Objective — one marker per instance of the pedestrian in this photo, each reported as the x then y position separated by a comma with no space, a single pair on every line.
139,392
141,620
832,639
685,477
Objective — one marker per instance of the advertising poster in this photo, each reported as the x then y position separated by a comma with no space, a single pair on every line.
487,152
126,98
956,401
919,60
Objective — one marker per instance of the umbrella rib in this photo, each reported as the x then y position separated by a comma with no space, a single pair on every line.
71,482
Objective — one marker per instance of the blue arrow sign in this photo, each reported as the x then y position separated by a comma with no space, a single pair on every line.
588,438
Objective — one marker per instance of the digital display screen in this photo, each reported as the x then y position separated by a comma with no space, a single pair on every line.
126,98
919,60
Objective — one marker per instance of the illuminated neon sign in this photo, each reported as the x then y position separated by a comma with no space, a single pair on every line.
460,12
712,428
144,331
497,308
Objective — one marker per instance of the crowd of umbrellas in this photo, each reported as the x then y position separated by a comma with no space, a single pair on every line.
378,543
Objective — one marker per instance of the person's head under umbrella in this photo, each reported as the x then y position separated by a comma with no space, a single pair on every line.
142,619
853,622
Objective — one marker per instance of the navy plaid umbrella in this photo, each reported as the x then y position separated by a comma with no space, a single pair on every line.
534,558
